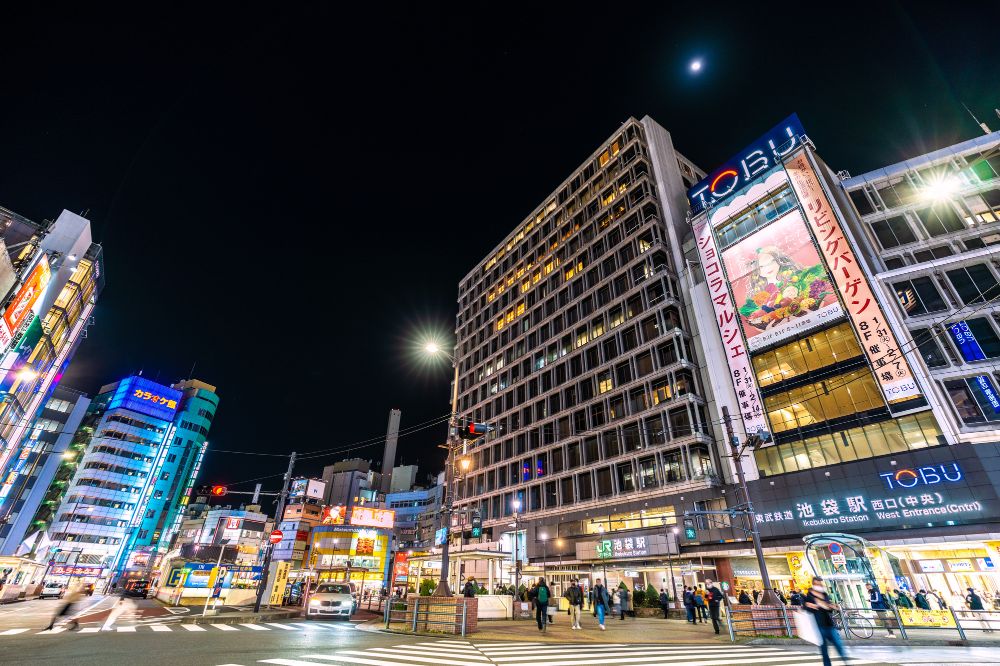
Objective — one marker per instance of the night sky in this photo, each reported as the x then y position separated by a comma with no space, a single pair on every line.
289,197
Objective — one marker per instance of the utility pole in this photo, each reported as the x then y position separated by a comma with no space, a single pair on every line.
268,547
443,590
767,597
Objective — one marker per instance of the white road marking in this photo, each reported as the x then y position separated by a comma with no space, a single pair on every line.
160,627
90,630
225,627
127,629
193,627
11,632
280,626
255,627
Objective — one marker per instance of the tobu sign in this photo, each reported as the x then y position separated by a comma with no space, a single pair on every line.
878,341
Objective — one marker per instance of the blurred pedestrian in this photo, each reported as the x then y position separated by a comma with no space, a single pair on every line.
881,607
622,601
664,602
818,603
714,597
71,598
921,600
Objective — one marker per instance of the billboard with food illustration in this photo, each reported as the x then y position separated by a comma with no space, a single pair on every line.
780,285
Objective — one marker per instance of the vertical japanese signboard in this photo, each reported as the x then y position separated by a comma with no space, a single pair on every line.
881,347
726,316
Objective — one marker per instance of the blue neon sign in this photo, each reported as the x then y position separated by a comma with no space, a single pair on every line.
752,161
146,397
985,384
966,341
929,475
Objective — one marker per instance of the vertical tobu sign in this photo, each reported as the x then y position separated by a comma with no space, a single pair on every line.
881,347
726,317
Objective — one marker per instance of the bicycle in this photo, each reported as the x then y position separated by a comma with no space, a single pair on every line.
857,624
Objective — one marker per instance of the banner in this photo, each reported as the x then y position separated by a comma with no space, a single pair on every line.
728,320
877,339
917,617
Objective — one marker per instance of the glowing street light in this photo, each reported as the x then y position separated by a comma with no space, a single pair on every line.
432,348
695,65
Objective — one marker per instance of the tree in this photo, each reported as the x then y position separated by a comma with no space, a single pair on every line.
652,596
426,587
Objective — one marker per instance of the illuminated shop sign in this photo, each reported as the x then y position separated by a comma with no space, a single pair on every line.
877,339
988,390
29,294
368,517
930,475
627,547
860,509
966,341
74,570
146,397
754,160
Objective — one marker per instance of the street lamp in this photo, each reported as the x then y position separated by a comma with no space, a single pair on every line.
516,505
443,590
545,553
670,563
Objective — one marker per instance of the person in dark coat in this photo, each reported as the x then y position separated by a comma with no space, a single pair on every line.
879,604
664,602
689,604
745,598
540,595
818,603
469,590
713,596
921,600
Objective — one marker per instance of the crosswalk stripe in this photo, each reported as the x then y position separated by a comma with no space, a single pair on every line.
160,627
280,626
90,630
431,652
224,627
352,656
193,627
255,627
299,662
130,629
530,647
11,632
640,651
56,630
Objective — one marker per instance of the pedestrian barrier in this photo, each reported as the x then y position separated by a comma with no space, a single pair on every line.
441,614
758,620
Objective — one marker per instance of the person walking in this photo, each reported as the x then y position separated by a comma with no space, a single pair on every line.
692,615
699,604
664,602
539,594
921,600
881,607
756,596
622,602
781,597
715,596
469,591
795,597
818,603
68,601
744,597
975,603
902,600
602,602
590,602
574,595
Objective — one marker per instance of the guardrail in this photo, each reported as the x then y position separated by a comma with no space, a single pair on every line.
749,620
416,614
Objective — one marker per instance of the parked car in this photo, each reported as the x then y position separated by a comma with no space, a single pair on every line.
54,590
332,600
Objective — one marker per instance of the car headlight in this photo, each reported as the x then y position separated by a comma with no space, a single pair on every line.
314,602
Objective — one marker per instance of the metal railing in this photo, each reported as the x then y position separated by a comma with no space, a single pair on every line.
421,616
743,620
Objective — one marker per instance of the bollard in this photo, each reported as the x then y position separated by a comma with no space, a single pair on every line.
465,610
416,605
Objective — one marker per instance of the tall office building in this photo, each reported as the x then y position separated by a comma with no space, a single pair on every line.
573,341
930,229
145,447
50,277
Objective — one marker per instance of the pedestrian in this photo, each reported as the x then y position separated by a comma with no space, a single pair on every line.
602,602
622,602
689,604
781,597
664,602
715,596
818,603
699,604
795,597
574,596
124,605
902,600
540,595
469,591
744,597
942,604
975,603
921,600
68,601
881,607
756,596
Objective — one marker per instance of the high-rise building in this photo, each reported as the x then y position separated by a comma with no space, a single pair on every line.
351,482
930,229
50,277
573,341
145,446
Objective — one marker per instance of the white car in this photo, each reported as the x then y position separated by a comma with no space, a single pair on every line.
54,590
332,600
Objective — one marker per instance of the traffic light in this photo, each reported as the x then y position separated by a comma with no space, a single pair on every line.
689,529
477,525
218,491
472,430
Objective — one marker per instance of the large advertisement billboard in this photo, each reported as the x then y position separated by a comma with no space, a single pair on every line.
29,294
364,516
146,397
881,347
779,282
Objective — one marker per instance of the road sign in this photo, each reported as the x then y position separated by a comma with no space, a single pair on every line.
838,560
276,536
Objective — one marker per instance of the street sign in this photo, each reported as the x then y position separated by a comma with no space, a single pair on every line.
839,560
275,537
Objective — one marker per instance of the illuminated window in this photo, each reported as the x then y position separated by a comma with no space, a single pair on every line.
548,267
520,309
604,158
581,337
597,327
661,391
536,277
525,286
604,382
617,317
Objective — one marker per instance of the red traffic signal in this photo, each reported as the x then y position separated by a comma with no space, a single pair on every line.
470,430
218,491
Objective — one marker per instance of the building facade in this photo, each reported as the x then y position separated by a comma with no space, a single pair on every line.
50,276
409,506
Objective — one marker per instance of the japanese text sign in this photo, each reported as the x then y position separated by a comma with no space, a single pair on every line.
368,517
880,344
146,397
32,290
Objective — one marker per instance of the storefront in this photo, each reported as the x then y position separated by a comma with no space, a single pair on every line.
345,553
19,577
187,583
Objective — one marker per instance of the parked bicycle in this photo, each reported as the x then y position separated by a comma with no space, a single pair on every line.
857,623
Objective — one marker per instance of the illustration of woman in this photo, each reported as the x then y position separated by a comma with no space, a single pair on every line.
779,288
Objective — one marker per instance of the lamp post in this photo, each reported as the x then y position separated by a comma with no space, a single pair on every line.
443,590
545,554
670,563
218,570
516,505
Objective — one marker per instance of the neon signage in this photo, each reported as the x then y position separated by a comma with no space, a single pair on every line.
930,475
755,159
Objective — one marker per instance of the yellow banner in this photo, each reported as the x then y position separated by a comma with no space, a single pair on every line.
915,617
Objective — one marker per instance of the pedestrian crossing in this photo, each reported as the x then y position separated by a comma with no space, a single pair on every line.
466,653
189,629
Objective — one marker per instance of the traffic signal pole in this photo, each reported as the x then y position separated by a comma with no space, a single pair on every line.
268,546
443,589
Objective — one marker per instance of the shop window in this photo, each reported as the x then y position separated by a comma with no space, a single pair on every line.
893,232
919,296
976,399
841,395
974,284
808,354
929,348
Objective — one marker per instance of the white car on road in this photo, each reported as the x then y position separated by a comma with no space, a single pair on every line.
332,600
54,590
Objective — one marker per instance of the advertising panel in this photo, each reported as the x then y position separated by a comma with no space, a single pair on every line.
782,284
365,543
298,488
146,397
315,489
367,517
728,320
754,160
881,347
966,341
334,515
29,294
400,567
